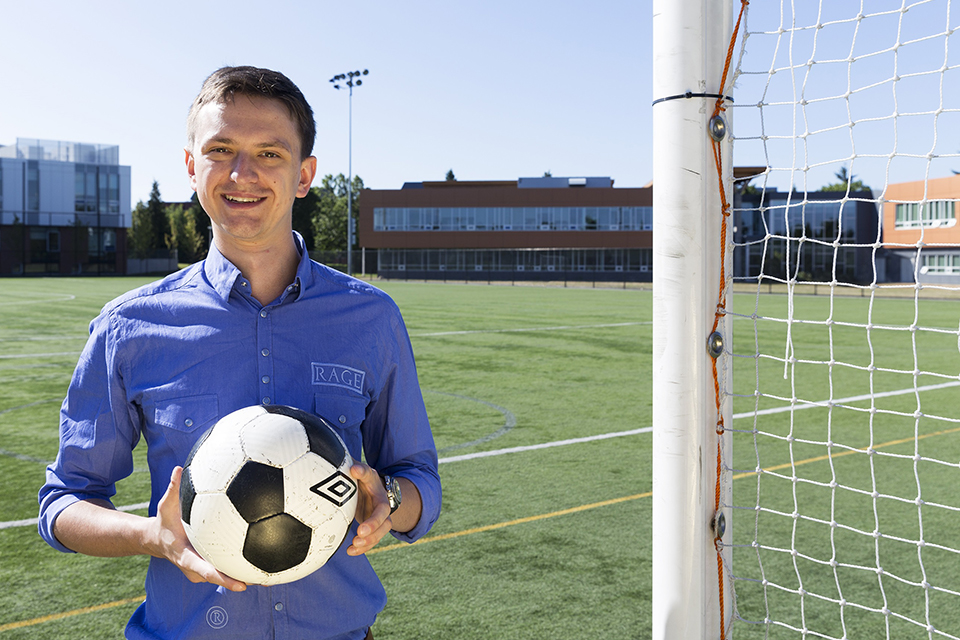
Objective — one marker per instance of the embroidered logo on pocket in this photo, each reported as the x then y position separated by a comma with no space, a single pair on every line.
337,375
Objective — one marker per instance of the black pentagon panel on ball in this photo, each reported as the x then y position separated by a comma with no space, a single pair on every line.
257,491
322,437
187,495
277,543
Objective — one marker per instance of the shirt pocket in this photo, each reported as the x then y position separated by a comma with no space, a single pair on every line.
345,414
187,414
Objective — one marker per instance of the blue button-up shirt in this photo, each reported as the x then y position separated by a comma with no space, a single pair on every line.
165,361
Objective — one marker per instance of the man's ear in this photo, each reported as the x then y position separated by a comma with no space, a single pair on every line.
308,171
191,168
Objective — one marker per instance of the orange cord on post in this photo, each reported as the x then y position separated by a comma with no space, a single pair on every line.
721,305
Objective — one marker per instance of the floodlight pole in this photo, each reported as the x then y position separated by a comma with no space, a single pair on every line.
350,83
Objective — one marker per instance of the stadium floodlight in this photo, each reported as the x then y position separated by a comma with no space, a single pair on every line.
352,80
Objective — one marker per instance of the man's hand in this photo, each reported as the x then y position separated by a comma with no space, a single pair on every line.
95,528
373,509
165,538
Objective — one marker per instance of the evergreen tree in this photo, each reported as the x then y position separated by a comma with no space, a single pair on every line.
330,221
183,234
844,180
450,177
157,214
141,232
202,225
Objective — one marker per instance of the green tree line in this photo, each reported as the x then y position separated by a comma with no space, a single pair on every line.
320,217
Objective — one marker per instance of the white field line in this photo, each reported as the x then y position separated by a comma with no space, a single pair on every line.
561,328
414,335
747,414
602,436
61,297
33,521
41,355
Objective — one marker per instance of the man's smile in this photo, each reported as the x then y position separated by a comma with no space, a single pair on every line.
241,199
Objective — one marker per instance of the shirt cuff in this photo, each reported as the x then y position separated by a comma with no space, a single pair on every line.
429,489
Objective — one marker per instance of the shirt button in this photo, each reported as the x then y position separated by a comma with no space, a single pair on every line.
278,606
188,422
266,400
265,352
265,379
343,419
263,313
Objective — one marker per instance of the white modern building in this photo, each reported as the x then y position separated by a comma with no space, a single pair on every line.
64,208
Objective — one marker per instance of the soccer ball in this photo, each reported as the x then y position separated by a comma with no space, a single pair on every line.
266,494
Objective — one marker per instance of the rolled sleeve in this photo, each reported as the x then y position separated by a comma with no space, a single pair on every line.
428,484
95,451
398,439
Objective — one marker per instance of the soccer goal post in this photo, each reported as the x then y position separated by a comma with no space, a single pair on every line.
690,266
806,345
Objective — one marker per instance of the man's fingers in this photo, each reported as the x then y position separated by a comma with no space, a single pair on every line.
190,562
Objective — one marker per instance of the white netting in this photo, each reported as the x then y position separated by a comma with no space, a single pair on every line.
846,482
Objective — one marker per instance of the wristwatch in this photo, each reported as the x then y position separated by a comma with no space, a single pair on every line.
392,485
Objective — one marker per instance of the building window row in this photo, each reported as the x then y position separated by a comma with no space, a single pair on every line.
929,214
813,220
515,260
513,218
940,263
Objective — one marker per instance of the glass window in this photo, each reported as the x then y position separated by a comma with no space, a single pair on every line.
113,192
609,218
33,186
933,213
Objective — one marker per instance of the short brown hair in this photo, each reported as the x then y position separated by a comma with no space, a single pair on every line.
223,84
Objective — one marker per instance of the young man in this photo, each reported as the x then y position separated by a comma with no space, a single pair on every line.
256,322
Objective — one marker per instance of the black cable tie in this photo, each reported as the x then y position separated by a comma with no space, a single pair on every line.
690,94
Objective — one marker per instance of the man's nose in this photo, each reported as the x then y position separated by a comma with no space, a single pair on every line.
244,169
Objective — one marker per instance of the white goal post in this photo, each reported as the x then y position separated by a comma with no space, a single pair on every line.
690,41
806,319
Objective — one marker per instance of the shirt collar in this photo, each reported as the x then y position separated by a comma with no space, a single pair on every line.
304,276
222,274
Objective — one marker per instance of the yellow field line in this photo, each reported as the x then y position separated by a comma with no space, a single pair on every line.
501,525
446,536
848,452
68,614
493,527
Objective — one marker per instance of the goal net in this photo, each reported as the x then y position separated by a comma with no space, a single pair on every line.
844,507
806,319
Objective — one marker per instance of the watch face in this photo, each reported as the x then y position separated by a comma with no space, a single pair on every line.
392,485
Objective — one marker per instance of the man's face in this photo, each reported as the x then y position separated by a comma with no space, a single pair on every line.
246,169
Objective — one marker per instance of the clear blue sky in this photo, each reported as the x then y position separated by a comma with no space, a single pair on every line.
489,88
